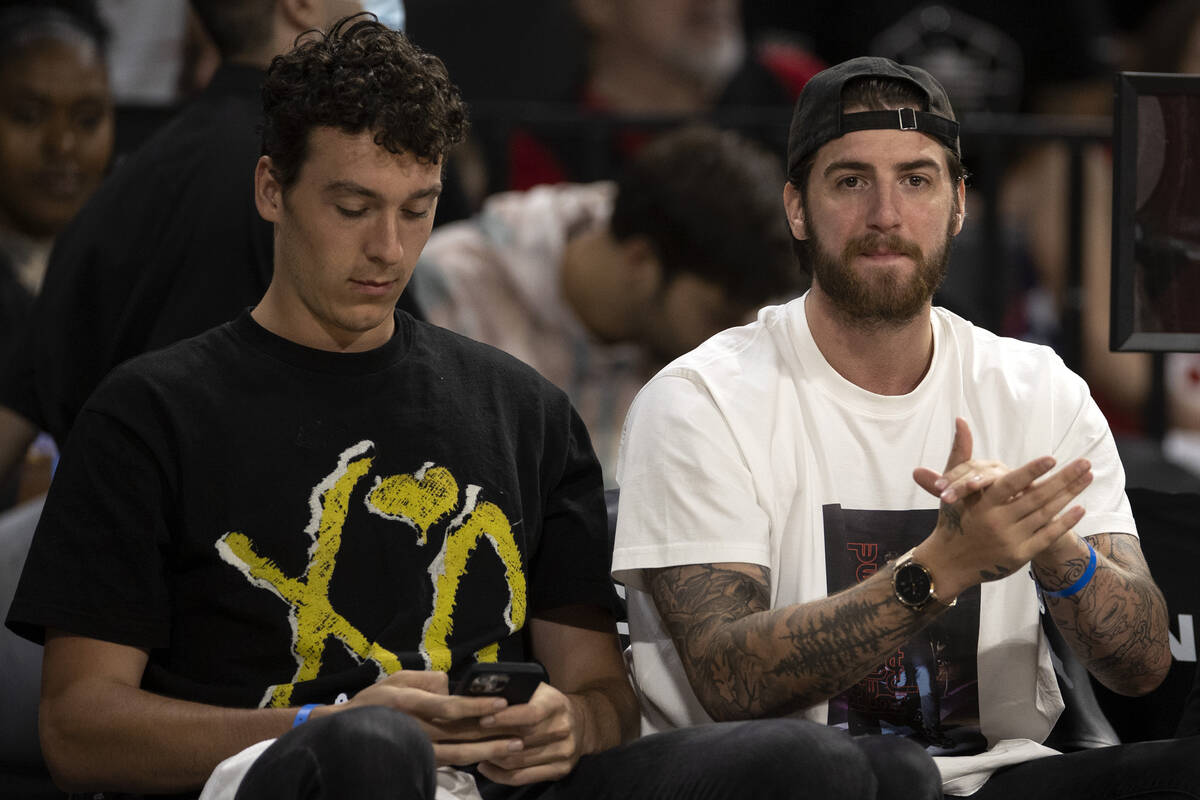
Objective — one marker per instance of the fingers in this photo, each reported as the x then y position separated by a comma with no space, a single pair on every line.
1042,501
967,478
960,448
927,479
525,775
459,754
433,681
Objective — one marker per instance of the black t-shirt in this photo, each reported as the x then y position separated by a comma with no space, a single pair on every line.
278,525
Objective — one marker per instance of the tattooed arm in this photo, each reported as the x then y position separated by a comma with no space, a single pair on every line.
1117,623
745,660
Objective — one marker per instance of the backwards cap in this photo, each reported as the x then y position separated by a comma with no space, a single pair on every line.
818,116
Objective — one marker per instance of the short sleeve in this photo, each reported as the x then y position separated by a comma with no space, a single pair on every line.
572,563
688,495
1087,435
97,564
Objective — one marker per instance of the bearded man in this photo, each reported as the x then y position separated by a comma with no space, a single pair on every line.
787,547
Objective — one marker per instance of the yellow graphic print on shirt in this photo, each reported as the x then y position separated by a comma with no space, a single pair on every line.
418,501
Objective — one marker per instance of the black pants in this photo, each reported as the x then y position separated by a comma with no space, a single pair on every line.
1163,770
378,753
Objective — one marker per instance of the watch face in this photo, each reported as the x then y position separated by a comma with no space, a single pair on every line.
913,585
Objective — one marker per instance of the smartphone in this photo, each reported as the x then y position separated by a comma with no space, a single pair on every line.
515,681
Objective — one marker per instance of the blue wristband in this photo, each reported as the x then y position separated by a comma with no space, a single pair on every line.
1084,579
302,714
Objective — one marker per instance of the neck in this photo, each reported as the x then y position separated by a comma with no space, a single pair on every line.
290,319
626,80
587,260
885,359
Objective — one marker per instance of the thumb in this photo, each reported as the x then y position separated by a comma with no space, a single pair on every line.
960,450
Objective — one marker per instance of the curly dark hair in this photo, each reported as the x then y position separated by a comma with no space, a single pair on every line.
361,76
708,201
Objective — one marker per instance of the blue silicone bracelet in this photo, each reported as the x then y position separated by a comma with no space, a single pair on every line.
302,714
1084,579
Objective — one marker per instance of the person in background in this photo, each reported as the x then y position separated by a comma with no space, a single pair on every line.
171,244
660,57
598,285
56,139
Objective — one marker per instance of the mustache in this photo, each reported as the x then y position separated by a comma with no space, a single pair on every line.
875,243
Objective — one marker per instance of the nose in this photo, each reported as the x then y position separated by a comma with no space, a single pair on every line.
383,244
884,211
59,137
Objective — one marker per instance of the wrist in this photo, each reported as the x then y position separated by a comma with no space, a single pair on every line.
947,578
1070,575
304,713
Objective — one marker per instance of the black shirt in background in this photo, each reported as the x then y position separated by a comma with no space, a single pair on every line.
169,246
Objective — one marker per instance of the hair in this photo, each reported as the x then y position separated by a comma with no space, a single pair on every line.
708,202
24,22
361,76
871,94
238,28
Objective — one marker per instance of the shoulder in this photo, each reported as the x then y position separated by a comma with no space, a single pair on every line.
1003,364
747,351
173,368
479,363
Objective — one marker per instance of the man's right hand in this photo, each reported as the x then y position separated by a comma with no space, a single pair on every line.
450,721
999,520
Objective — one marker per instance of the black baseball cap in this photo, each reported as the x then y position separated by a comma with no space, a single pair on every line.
818,116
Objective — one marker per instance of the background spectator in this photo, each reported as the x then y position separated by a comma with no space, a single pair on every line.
598,285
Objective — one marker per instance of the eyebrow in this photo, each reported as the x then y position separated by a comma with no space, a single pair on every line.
350,187
862,166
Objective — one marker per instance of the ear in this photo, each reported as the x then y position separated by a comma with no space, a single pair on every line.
268,192
300,15
960,214
793,204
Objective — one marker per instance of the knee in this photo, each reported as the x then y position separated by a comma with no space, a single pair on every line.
902,768
790,753
360,741
373,729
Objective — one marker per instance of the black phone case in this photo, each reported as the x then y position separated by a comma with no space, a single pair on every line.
514,681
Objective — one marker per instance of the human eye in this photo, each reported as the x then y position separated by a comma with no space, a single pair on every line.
28,114
350,213
849,182
410,213
89,117
917,181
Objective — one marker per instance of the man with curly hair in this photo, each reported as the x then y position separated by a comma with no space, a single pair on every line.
270,548
320,510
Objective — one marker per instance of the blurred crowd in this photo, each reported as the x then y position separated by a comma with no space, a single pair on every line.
127,142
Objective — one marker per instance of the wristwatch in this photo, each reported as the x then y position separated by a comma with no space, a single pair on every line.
913,584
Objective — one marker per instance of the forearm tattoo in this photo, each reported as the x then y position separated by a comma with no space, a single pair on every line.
744,660
1117,624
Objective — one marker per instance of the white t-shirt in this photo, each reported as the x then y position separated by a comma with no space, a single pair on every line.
752,449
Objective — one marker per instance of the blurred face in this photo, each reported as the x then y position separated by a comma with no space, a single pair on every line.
56,132
701,38
347,235
686,311
881,210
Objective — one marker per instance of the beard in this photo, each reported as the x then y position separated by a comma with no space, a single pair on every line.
883,299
